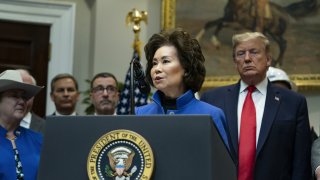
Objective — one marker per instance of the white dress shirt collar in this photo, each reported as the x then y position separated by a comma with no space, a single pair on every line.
72,114
261,87
26,121
115,113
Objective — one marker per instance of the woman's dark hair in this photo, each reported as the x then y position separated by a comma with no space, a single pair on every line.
189,54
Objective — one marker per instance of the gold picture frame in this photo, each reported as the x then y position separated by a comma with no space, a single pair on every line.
302,81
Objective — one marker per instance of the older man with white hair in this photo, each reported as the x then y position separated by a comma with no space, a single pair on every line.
31,120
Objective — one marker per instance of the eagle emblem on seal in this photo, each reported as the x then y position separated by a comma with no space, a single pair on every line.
120,160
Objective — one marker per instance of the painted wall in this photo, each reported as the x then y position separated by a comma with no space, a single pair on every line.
113,38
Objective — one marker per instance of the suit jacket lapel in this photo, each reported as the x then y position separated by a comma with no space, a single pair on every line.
34,124
273,100
232,116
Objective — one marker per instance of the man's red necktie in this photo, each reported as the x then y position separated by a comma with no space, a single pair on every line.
247,143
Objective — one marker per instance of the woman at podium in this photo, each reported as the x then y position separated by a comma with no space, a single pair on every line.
175,67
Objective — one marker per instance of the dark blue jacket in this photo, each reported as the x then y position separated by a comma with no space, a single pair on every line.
284,146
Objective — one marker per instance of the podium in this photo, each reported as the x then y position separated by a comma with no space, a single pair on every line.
184,147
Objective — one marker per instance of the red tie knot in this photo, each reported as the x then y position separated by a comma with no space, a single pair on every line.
251,89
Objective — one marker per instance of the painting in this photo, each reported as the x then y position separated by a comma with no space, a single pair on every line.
294,32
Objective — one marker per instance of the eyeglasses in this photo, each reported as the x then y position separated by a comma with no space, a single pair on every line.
100,89
253,53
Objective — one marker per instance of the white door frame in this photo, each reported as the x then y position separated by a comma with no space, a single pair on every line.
61,18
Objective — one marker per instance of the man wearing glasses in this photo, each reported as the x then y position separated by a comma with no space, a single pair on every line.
104,94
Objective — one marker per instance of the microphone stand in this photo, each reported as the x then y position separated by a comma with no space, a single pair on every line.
132,103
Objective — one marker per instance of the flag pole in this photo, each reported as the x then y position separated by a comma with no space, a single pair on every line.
135,17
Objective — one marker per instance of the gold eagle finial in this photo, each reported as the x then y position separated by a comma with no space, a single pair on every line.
135,17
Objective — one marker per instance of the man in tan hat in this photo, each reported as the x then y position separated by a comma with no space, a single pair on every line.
19,147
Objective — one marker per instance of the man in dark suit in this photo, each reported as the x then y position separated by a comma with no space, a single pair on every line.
65,94
31,120
281,123
315,158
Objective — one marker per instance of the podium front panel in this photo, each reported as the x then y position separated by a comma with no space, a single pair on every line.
184,147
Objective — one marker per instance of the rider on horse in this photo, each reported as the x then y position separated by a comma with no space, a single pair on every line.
261,11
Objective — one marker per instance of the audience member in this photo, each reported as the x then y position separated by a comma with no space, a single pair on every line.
19,147
279,77
31,120
262,14
65,94
315,158
175,67
268,125
104,93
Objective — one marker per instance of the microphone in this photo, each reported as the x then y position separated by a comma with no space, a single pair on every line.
139,77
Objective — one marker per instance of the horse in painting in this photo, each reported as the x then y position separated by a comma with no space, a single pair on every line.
238,14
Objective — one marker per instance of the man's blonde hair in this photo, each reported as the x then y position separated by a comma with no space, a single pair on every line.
239,38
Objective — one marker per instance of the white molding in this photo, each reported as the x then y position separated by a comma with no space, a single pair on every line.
61,17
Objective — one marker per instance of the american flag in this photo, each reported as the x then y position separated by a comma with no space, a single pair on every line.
139,98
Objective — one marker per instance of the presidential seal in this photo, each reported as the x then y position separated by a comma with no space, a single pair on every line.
120,155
